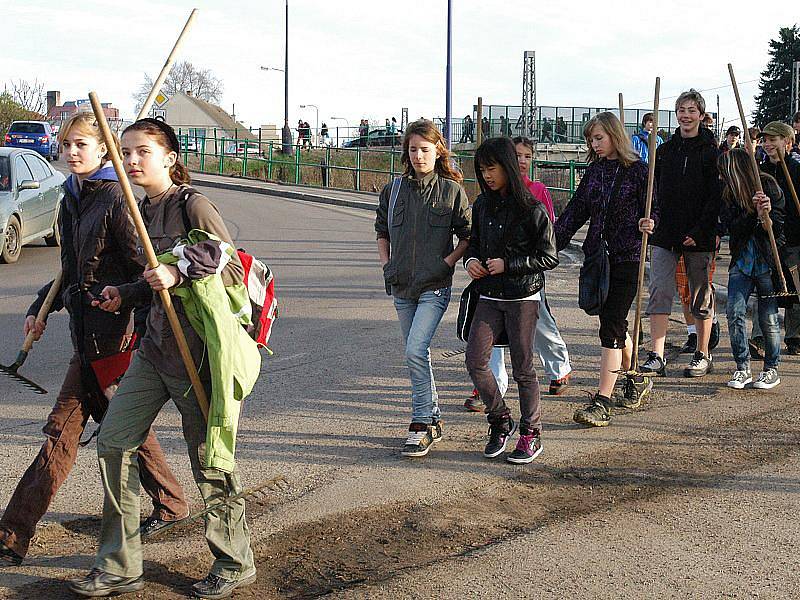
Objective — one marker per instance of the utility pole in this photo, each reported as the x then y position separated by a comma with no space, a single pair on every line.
286,134
448,123
795,87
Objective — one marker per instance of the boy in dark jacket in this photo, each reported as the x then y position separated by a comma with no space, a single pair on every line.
779,137
689,203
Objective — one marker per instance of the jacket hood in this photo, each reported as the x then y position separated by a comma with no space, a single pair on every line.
104,173
705,137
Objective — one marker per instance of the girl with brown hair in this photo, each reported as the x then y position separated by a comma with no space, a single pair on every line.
98,249
417,216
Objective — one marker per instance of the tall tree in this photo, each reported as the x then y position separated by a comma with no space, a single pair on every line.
10,110
774,102
183,77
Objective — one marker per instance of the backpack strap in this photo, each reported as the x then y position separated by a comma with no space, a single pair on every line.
393,201
183,199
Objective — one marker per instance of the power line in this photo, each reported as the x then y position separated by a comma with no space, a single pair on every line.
719,87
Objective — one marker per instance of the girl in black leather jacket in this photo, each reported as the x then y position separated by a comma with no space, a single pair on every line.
510,246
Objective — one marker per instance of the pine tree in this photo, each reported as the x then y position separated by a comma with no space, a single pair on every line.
774,102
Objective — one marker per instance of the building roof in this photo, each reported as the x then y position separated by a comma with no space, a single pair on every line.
225,121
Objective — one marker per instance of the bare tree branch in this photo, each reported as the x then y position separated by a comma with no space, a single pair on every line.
29,96
183,77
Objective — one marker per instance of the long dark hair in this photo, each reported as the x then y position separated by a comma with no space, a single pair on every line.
501,151
739,179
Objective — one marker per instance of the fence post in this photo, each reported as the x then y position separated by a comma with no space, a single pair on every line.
327,181
571,177
358,168
244,160
297,164
479,122
221,156
269,161
202,151
391,165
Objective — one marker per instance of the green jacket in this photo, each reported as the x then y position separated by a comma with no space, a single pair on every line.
217,313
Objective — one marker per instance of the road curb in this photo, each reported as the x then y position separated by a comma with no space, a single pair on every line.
291,194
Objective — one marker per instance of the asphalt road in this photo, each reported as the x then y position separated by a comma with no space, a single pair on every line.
694,495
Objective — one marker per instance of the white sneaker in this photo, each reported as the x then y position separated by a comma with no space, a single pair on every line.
767,380
740,379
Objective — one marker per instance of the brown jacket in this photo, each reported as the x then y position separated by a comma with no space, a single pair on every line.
165,225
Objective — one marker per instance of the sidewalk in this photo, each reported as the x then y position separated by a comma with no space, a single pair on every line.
352,199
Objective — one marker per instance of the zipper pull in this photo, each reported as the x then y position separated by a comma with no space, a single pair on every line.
96,348
685,160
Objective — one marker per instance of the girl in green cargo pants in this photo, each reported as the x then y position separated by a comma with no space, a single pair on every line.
151,156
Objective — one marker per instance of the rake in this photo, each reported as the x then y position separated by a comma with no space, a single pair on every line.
13,370
259,493
784,292
633,371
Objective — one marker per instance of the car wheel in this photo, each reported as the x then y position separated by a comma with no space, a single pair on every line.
12,245
55,239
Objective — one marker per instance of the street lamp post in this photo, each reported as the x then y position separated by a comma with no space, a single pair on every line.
316,108
347,124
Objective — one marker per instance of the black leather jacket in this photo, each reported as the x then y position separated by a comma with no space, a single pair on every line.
524,240
104,245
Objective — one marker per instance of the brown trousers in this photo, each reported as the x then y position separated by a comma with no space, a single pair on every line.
41,481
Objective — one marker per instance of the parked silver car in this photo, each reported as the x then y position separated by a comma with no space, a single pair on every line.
30,194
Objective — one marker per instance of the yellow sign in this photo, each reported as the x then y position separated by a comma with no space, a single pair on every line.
160,100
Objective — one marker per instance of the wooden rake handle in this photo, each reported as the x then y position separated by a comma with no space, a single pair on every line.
150,254
43,311
749,146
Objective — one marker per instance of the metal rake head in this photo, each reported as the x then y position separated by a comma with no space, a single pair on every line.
780,295
11,371
258,494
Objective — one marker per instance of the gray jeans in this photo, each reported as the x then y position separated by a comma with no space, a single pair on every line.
663,287
142,393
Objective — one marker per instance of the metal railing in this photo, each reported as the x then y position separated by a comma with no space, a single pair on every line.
351,169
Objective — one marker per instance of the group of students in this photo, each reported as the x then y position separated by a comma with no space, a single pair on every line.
105,280
509,238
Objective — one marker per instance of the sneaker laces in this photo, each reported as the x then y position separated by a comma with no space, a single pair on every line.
653,357
697,359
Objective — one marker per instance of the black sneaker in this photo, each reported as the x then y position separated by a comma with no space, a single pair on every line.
99,583
756,347
437,430
655,365
529,446
9,558
499,434
151,525
690,347
636,389
699,366
596,414
214,586
419,440
713,340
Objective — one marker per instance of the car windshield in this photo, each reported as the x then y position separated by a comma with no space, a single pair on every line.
5,177
27,128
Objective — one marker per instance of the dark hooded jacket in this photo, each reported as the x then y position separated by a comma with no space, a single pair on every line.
688,192
103,252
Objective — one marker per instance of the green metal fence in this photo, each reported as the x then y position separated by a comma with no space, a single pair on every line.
356,169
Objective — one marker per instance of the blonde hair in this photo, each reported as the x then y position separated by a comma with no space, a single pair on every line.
610,124
87,124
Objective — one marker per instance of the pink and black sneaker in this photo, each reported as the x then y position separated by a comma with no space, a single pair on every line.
529,446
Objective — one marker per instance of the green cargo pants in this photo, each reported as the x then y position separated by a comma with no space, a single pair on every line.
141,395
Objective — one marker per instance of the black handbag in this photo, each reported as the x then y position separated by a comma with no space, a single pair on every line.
595,274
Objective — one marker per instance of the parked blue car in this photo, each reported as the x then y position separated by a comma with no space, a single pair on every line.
33,135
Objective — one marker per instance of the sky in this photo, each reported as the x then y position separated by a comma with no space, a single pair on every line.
368,58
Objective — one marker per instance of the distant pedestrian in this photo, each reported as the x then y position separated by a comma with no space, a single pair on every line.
388,127
561,130
611,196
732,139
640,139
467,128
502,125
417,216
547,130
796,145
307,135
510,248
485,127
393,126
325,139
752,266
755,138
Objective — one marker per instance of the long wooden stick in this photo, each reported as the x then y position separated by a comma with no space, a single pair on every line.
150,254
165,69
621,111
787,175
44,310
749,146
648,206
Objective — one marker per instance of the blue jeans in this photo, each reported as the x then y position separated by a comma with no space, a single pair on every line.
418,322
740,286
